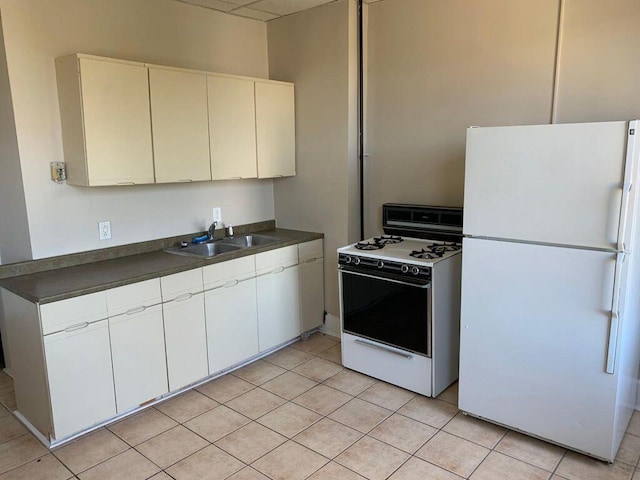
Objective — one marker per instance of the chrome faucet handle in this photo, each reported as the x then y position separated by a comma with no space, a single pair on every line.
212,229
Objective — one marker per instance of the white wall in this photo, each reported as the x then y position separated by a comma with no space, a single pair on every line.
64,219
15,244
436,67
315,49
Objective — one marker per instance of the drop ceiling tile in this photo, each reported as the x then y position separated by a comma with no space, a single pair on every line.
285,7
213,4
256,14
240,3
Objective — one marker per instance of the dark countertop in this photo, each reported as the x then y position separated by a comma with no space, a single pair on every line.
58,284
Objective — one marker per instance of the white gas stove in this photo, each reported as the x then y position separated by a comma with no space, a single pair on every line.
394,327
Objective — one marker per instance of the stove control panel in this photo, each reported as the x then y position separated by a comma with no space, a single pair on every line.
375,266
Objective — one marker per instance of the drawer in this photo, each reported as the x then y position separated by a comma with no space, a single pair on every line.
282,257
310,250
217,275
131,297
57,316
392,365
181,284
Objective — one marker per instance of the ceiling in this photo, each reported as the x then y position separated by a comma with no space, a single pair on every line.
263,10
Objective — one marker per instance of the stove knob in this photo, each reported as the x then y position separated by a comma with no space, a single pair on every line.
404,268
347,259
356,260
380,264
415,270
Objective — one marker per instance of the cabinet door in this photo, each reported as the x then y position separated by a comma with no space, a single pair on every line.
186,340
80,377
139,360
275,130
311,294
117,122
180,125
232,128
278,307
232,324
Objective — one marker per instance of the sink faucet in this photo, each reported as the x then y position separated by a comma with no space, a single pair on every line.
211,231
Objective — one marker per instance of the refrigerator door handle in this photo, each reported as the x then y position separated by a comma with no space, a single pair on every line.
630,159
614,325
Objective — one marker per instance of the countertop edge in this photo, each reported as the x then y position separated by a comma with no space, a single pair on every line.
24,286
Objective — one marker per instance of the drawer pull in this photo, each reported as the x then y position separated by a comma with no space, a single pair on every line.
231,283
122,184
139,309
277,270
183,297
185,180
77,326
385,349
311,260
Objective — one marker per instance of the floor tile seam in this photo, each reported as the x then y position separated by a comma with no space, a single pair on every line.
422,422
354,428
229,433
264,390
393,410
37,458
389,444
286,439
524,461
564,455
472,441
102,461
236,396
185,421
360,437
153,436
174,463
441,467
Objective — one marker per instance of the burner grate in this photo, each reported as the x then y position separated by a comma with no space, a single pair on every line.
387,239
435,251
369,245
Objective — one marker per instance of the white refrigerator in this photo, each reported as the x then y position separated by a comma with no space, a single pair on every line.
550,320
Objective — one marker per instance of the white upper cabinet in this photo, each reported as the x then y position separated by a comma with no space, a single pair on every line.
232,128
275,129
180,125
106,124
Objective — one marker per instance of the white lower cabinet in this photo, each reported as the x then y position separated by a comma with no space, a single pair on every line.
184,328
80,377
278,296
139,361
232,323
186,339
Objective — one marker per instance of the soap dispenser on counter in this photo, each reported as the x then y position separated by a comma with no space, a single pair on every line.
229,230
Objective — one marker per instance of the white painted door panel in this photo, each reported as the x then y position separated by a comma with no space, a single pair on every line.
232,324
267,262
558,184
186,340
278,307
180,125
139,360
80,378
129,298
534,335
232,128
117,122
218,274
181,284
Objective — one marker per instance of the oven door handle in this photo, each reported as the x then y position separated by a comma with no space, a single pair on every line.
386,349
376,277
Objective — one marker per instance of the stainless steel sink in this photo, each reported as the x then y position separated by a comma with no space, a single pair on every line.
206,250
245,241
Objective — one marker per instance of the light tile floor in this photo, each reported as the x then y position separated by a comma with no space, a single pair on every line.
298,414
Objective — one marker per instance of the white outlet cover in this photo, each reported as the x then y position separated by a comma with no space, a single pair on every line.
104,230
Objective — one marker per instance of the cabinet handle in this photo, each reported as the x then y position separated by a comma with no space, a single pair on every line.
183,297
120,184
235,178
277,270
139,309
77,326
310,260
383,348
185,180
231,283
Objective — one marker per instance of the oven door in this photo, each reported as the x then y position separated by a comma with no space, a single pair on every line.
387,310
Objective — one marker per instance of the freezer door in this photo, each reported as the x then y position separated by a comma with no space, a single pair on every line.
556,184
534,341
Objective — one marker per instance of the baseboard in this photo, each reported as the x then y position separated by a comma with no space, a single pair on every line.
331,325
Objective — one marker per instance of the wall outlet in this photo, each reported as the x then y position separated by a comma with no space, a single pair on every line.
104,230
217,215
